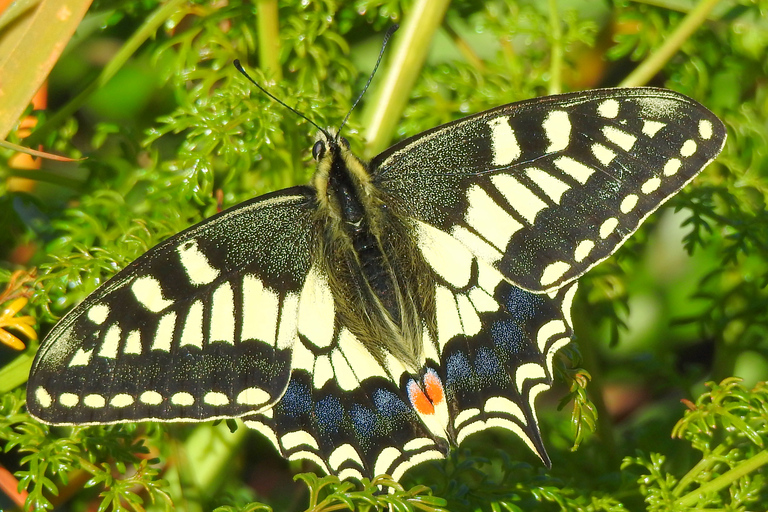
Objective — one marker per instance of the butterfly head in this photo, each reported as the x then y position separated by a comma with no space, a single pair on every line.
339,172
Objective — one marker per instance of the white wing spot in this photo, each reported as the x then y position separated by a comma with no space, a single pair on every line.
133,342
503,142
298,438
222,326
121,400
323,371
316,309
261,310
69,399
149,293
182,398
446,255
528,371
470,321
164,334
354,351
192,333
345,376
264,430
583,250
603,154
553,187
489,219
628,203
705,129
505,406
650,186
43,397
302,358
343,453
553,272
689,148
196,264
465,416
448,320
608,108
547,331
98,313
477,245
619,137
385,460
651,128
607,227
286,333
557,127
417,444
482,301
111,344
81,357
520,197
151,398
252,396
94,401
216,399
672,166
574,169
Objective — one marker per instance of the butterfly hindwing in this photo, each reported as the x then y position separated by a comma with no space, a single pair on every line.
343,408
200,327
546,188
493,378
495,342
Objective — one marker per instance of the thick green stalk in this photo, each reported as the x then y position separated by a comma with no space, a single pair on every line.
653,64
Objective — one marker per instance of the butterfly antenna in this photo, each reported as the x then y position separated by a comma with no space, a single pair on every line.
389,33
246,75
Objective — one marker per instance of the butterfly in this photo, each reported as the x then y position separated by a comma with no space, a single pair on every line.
381,314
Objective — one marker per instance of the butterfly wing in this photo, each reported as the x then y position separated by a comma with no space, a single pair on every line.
546,188
495,342
200,327
366,430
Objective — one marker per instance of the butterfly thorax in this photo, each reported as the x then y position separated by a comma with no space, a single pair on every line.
374,276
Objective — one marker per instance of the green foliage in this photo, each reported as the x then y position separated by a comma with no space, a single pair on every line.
677,305
729,426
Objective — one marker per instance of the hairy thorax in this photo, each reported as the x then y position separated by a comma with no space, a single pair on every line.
377,269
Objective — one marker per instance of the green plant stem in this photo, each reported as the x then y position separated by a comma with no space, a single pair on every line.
15,373
147,30
411,47
586,342
15,10
465,49
724,480
653,64
704,464
269,39
556,59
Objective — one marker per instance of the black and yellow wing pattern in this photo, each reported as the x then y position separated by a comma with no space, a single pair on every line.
381,314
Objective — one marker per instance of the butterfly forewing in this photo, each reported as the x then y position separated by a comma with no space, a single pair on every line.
546,188
202,326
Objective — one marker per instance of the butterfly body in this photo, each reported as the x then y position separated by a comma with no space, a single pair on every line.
388,310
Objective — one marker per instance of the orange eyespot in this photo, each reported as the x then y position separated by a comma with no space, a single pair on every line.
424,399
419,400
433,387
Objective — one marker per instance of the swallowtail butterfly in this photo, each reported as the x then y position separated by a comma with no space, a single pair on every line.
381,314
